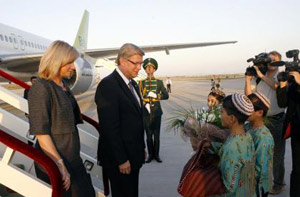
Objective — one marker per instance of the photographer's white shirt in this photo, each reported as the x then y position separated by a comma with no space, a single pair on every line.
269,92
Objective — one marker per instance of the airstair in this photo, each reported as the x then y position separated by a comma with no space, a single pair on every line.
17,172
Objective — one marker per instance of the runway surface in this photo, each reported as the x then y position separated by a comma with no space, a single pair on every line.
161,179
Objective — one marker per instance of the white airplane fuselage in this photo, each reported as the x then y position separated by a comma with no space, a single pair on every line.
16,41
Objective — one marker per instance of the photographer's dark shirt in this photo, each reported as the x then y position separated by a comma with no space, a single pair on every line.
290,97
296,118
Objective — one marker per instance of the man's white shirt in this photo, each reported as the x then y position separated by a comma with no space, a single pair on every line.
126,80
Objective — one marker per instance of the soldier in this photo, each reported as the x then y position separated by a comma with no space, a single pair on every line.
152,91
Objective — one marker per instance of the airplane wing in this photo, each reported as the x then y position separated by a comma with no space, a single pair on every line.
21,62
110,52
29,62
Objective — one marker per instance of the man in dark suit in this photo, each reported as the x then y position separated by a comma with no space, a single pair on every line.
121,149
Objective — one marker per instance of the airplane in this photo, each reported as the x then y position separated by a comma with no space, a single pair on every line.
20,53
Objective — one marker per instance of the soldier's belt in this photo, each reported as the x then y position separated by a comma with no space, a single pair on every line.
147,100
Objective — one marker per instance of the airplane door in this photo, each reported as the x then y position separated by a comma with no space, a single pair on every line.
15,41
22,46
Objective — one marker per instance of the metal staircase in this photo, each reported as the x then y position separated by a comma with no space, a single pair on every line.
24,181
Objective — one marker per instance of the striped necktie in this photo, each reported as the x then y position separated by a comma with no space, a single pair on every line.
133,92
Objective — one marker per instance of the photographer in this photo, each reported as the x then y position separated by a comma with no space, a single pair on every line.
267,84
288,95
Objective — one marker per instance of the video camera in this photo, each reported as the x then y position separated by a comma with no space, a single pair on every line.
290,66
261,61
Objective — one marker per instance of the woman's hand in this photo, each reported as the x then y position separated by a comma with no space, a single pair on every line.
49,149
64,173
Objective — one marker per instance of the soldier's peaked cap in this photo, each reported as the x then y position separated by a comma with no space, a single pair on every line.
150,61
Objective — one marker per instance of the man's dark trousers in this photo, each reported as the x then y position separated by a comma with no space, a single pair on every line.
275,125
123,185
152,128
295,175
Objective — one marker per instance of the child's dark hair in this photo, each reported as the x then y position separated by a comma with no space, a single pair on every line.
232,110
258,104
219,97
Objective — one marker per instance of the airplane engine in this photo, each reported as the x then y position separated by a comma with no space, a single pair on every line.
84,77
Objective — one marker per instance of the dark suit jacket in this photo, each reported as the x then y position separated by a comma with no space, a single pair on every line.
289,97
121,123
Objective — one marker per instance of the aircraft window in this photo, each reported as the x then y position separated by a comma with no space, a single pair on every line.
35,45
15,40
6,38
10,40
25,42
1,37
21,41
32,45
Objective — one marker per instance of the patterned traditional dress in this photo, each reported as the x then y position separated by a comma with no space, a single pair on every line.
237,165
264,144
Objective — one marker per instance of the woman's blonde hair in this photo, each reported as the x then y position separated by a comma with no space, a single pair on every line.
58,54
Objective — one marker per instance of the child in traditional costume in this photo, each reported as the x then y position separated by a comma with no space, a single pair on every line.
237,152
215,98
263,142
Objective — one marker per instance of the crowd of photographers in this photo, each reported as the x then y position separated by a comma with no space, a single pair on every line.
283,118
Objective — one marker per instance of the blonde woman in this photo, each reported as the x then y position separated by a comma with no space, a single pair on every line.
53,116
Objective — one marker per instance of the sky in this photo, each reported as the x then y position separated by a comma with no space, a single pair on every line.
258,26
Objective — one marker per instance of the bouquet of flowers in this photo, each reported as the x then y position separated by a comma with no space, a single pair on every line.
199,124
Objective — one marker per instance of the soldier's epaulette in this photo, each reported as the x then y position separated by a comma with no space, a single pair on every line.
143,79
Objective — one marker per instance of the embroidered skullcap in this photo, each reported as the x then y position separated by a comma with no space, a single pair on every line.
263,99
242,103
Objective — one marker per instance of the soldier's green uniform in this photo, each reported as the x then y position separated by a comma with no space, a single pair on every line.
152,119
